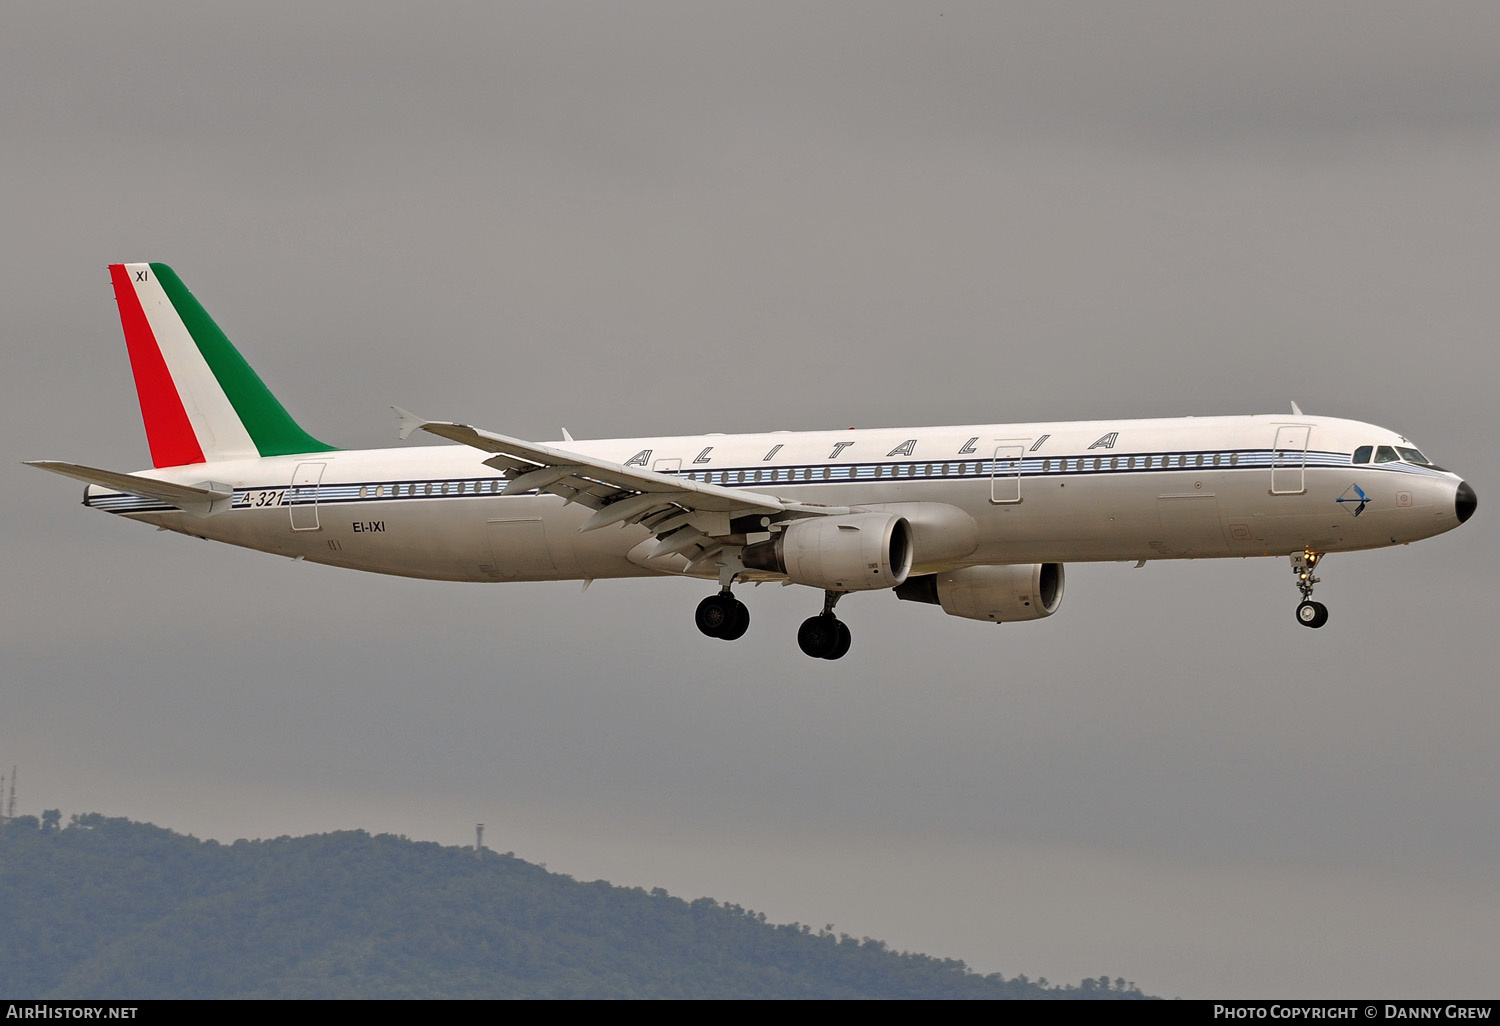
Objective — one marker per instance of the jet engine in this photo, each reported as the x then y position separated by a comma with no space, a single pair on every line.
999,594
857,552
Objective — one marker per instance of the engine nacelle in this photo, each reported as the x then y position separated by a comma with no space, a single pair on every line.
997,594
857,552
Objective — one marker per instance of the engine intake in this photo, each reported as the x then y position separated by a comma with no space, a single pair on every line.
858,552
998,594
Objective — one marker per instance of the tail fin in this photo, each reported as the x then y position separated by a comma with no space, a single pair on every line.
199,398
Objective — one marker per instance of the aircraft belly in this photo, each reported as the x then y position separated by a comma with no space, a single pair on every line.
523,538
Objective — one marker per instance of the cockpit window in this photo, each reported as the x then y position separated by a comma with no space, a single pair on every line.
1386,454
1412,455
1362,454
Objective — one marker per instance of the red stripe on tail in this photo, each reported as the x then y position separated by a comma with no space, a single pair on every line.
168,430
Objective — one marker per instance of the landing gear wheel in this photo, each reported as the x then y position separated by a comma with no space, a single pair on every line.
723,616
1309,613
739,625
819,636
716,614
1312,614
845,639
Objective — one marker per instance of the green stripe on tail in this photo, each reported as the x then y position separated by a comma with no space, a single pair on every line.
272,429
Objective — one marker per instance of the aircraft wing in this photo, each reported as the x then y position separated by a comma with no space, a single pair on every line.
666,503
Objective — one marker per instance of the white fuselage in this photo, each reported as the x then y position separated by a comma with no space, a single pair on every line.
1081,491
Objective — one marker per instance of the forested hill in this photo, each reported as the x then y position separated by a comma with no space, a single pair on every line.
111,908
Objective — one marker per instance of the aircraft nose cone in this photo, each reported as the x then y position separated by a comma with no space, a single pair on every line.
1465,502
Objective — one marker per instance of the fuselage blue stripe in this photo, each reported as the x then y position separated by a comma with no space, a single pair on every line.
813,474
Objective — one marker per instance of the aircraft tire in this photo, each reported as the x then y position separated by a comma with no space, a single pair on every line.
841,646
738,624
715,614
819,635
1312,614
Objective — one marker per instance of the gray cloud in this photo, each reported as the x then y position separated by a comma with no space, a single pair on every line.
649,218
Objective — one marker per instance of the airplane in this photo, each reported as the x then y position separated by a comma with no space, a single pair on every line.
978,520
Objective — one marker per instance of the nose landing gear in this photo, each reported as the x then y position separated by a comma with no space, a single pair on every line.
1309,613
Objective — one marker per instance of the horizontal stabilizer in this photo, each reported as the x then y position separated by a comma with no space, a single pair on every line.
201,500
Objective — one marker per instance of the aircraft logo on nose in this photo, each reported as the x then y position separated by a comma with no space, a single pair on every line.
1359,498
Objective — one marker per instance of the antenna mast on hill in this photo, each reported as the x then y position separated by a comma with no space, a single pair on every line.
479,840
3,817
10,808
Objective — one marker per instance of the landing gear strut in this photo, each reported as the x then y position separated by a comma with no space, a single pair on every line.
1309,613
723,616
825,636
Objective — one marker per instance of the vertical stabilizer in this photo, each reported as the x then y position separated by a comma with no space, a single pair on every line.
200,400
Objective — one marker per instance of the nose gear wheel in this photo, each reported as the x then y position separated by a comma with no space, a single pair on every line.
1309,613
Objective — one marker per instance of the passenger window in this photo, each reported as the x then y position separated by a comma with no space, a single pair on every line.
1234,459
1362,454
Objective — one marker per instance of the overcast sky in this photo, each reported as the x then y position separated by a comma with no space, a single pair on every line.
676,218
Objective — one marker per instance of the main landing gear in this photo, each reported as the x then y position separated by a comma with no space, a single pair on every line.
1309,613
723,616
825,636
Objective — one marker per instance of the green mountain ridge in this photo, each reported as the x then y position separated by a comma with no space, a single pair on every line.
110,908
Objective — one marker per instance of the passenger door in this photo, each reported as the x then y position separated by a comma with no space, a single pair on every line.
1005,472
1289,461
302,497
